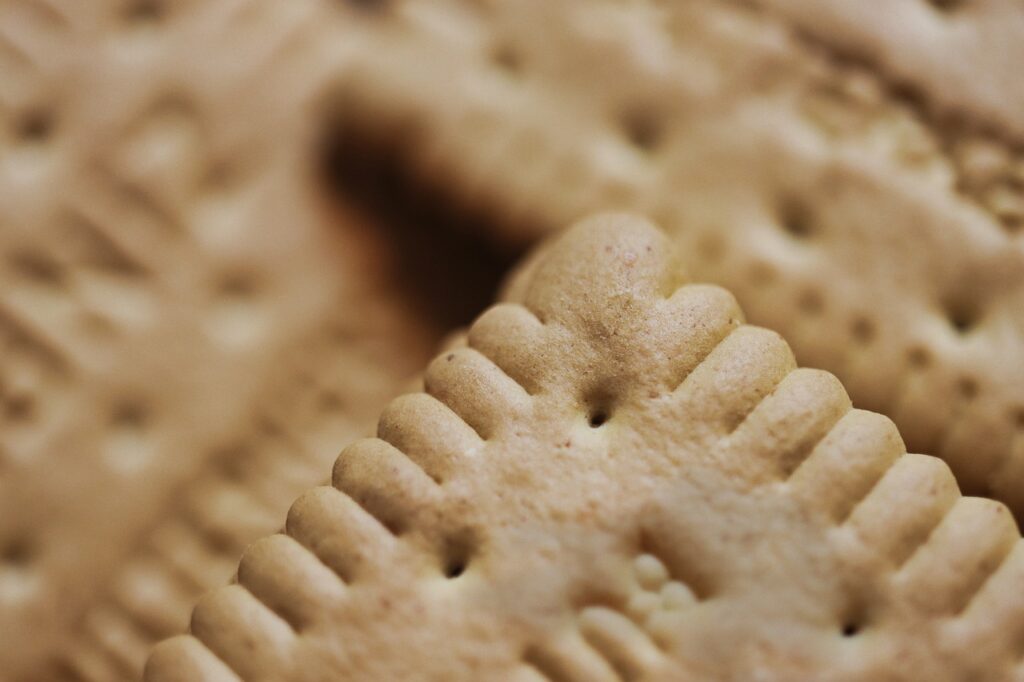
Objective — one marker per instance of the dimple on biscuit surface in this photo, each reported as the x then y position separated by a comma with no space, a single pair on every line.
611,477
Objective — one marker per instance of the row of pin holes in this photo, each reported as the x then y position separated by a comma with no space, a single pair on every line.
797,221
36,126
644,131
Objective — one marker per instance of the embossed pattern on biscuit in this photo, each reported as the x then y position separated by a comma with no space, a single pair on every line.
170,270
611,477
829,177
920,37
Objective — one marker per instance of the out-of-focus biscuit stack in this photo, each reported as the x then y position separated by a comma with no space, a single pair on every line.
190,323
234,232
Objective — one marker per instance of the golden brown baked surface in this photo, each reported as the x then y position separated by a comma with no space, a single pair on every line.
612,477
188,326
857,194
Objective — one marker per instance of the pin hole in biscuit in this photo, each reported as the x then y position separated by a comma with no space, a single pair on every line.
507,58
811,302
18,407
144,11
598,405
1013,224
369,5
796,217
918,357
643,128
455,568
854,618
711,245
35,126
762,274
947,5
231,462
967,387
963,315
1018,418
238,285
330,401
456,555
130,415
17,553
863,330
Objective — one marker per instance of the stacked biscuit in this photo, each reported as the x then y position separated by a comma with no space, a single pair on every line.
226,240
190,325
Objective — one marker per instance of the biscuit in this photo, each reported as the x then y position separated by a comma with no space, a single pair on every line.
188,324
847,204
613,477
918,41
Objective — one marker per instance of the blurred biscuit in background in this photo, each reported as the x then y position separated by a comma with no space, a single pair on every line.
190,323
613,478
861,193
962,53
